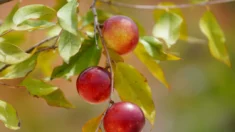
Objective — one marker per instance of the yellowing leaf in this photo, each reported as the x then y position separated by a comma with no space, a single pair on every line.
133,87
11,54
20,69
69,45
151,64
32,12
67,16
168,27
92,125
211,29
52,94
9,116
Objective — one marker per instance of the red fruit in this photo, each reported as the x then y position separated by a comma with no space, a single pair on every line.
124,117
94,85
121,34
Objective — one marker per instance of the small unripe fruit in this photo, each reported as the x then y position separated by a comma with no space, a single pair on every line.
124,117
94,85
121,34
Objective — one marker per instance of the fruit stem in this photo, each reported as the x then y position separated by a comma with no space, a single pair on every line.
108,58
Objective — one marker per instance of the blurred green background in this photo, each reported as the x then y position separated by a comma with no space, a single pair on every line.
202,95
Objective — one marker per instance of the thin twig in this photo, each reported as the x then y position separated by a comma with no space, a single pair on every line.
4,1
40,43
36,46
10,86
6,32
109,61
152,7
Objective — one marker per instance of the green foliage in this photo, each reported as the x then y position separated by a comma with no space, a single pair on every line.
92,124
67,16
69,45
168,27
25,16
89,55
9,116
211,29
52,94
79,47
133,87
11,54
19,70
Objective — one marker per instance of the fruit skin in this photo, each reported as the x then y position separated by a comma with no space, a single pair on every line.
121,34
124,117
94,85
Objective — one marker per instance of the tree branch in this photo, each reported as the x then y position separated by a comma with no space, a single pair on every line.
36,46
109,61
10,86
152,7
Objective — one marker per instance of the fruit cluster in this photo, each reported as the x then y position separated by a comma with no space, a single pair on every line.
94,83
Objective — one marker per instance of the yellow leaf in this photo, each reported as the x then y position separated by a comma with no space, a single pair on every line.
92,124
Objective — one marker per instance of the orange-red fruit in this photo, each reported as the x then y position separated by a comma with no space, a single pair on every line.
121,34
124,117
93,85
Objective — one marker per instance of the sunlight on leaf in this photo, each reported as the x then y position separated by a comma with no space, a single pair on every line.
168,27
69,45
151,64
92,124
211,29
19,70
67,16
9,116
154,48
52,94
133,87
11,54
32,12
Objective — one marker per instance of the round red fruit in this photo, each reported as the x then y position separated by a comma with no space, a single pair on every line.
124,117
121,34
94,85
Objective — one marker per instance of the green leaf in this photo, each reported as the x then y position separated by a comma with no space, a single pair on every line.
133,87
20,69
59,4
57,99
35,11
8,23
88,18
92,124
211,29
168,27
88,56
11,54
8,116
67,17
33,25
154,48
150,63
69,45
52,94
157,14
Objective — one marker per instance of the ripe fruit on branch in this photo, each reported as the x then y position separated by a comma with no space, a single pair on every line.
121,34
94,85
124,117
